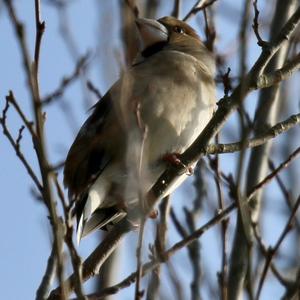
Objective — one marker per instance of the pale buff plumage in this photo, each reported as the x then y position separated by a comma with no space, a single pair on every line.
158,107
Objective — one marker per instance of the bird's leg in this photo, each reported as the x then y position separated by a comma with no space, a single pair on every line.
174,159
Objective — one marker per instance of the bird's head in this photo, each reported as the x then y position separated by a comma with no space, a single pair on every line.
168,33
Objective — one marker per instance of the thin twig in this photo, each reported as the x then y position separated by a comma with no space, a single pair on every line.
226,107
292,290
263,138
180,229
138,293
67,80
268,178
198,6
210,31
222,275
286,194
176,9
44,288
221,215
166,255
159,247
129,12
31,71
29,124
194,255
132,5
255,25
244,39
95,260
93,89
273,250
264,250
16,147
68,37
270,79
40,145
75,258
40,28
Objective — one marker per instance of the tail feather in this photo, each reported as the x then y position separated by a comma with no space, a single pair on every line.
99,219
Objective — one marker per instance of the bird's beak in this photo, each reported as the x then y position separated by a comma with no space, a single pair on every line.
151,32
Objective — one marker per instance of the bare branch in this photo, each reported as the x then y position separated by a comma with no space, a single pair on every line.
269,51
29,125
270,79
226,107
255,25
263,138
40,28
129,13
95,260
31,72
264,249
176,9
268,178
44,288
286,194
244,39
16,147
75,258
220,216
222,275
139,293
198,6
66,81
159,247
275,49
132,5
94,90
273,250
166,255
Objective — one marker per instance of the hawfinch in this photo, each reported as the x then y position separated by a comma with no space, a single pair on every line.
155,110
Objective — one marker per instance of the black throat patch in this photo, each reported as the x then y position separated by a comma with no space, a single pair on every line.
153,49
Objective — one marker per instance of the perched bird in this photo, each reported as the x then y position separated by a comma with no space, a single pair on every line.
153,112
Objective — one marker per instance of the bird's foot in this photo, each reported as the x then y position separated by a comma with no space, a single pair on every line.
153,214
174,159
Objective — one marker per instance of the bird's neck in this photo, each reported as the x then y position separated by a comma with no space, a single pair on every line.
199,52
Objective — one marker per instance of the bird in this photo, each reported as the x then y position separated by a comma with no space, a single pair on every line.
154,112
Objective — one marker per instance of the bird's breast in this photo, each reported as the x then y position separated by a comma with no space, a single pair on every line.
178,103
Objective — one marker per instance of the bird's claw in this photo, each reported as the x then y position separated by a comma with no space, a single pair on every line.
174,159
153,214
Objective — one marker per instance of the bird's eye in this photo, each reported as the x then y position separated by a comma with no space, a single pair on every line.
178,29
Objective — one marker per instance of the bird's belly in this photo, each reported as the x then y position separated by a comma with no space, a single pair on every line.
173,125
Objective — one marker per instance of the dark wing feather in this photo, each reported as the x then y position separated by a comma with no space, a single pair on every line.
88,155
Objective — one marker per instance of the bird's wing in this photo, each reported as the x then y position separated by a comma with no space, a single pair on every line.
89,153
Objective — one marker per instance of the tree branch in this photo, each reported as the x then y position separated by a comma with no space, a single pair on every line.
31,71
16,147
66,81
271,133
270,79
272,251
198,6
220,216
